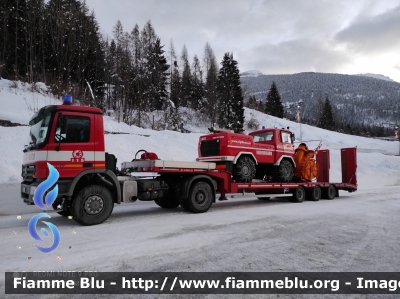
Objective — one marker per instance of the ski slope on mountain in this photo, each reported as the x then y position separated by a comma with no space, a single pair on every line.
377,164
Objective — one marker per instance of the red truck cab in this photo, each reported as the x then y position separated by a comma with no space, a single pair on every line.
71,138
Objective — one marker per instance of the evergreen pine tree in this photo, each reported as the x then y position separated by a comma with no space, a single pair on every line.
231,111
273,105
320,109
197,94
210,105
261,106
326,120
176,92
110,72
186,79
157,63
252,102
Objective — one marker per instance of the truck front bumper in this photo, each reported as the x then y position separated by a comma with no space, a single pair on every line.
27,192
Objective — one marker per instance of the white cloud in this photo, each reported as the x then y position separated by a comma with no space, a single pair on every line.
273,36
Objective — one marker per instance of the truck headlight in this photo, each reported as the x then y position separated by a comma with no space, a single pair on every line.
32,190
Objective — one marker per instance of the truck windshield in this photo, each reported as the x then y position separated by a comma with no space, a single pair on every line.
260,137
39,123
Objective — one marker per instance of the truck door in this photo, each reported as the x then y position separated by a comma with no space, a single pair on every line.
264,142
287,143
99,143
71,143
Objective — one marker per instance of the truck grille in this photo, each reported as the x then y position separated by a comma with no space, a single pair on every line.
27,172
209,148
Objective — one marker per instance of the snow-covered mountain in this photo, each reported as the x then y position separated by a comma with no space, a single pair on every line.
19,101
358,99
376,76
252,73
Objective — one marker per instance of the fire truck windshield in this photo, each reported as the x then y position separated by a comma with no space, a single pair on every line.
40,123
265,136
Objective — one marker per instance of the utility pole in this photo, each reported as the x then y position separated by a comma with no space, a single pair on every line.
396,134
298,115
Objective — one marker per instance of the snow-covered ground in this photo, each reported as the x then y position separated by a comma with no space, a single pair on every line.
355,232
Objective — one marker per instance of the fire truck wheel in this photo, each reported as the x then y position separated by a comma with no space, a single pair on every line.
329,193
92,205
168,201
245,169
298,194
283,172
200,198
314,194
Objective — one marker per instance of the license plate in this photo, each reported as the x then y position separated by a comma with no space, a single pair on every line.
24,189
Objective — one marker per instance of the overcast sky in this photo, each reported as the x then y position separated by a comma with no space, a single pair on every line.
272,36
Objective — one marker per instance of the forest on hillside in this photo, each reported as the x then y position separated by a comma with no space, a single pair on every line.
129,75
357,100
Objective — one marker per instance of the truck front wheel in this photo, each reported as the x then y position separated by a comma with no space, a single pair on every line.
283,172
200,199
244,170
92,205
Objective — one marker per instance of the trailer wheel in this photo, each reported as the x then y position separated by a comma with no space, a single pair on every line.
314,194
244,170
92,205
283,172
201,197
329,193
298,195
168,201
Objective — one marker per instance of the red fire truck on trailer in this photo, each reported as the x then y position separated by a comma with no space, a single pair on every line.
71,138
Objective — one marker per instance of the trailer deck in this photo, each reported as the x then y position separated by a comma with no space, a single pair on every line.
225,184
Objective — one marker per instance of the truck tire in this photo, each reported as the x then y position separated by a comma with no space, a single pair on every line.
200,199
298,194
244,169
314,194
283,172
329,193
92,205
168,201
